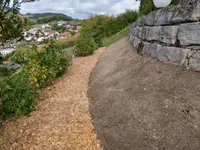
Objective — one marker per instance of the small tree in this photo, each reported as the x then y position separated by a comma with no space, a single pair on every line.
10,22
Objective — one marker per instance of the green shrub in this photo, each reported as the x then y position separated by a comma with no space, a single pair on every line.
19,55
85,45
98,27
53,59
146,6
43,67
18,90
18,96
68,42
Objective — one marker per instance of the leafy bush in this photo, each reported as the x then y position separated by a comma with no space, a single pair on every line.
68,42
18,96
98,27
18,90
85,45
43,67
115,25
19,55
146,6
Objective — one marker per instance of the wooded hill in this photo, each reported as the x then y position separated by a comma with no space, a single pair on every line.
40,18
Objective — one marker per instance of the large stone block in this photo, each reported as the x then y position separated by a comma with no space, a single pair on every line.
136,43
189,11
143,32
140,22
173,55
164,34
189,34
135,31
152,49
196,12
194,61
131,38
163,16
149,20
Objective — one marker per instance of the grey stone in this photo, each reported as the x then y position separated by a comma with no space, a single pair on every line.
196,12
162,55
140,22
131,37
134,31
149,20
143,32
164,34
133,25
173,55
136,42
189,11
163,16
189,33
152,49
156,33
194,61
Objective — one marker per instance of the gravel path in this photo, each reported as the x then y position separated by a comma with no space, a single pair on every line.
62,120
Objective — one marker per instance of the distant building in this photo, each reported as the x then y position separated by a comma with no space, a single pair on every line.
60,23
6,51
64,35
44,26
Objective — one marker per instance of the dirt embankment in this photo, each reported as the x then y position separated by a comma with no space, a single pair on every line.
139,103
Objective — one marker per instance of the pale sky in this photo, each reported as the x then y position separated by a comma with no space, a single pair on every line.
80,8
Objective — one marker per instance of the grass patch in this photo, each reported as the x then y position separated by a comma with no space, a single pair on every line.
38,26
68,50
108,41
68,42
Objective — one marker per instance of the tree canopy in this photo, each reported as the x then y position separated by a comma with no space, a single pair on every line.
146,6
10,22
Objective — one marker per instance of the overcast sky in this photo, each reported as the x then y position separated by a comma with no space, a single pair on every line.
80,8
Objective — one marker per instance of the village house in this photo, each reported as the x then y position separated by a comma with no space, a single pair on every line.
64,35
45,26
60,23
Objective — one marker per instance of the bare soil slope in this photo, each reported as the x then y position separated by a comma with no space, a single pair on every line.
62,119
139,103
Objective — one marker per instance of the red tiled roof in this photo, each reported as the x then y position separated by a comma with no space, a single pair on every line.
65,34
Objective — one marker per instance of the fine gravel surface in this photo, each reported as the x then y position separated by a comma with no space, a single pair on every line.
139,103
62,120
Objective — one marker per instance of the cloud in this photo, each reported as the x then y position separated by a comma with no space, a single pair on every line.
80,8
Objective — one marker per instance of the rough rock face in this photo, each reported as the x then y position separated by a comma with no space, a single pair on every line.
170,35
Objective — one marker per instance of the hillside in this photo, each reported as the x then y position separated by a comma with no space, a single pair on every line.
47,17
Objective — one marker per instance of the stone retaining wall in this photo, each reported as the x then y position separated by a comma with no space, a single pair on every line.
170,35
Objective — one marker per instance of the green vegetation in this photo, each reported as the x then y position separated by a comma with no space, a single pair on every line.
41,18
85,45
40,68
37,26
18,96
109,40
10,21
146,6
69,50
12,27
68,42
98,27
